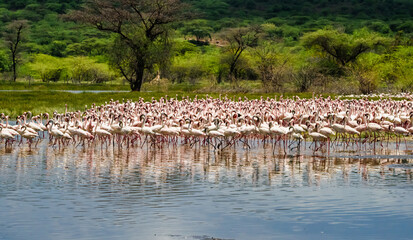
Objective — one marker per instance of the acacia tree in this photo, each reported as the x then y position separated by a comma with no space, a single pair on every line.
142,30
341,47
341,53
199,29
239,39
14,35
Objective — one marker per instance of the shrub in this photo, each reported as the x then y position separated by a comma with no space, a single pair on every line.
77,69
84,69
46,68
4,61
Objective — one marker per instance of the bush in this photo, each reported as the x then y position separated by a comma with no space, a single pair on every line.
46,68
379,26
57,48
304,77
365,73
180,48
4,62
77,69
402,65
52,75
84,69
272,66
189,71
194,65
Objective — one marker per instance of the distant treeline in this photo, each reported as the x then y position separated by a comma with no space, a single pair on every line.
294,45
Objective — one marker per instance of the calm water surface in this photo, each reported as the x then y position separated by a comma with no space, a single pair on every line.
178,192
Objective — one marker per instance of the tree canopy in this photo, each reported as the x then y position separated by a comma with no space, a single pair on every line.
141,27
341,47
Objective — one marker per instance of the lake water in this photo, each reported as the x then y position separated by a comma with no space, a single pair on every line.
178,192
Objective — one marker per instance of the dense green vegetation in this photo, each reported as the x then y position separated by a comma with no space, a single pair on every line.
344,46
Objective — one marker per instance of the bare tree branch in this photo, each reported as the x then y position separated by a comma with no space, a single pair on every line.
139,24
13,37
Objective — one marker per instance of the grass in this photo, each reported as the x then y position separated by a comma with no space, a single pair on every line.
41,86
202,85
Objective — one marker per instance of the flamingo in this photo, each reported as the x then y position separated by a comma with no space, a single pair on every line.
224,120
400,131
317,137
6,135
54,132
29,136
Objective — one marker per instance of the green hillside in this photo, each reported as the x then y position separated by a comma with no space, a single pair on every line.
56,49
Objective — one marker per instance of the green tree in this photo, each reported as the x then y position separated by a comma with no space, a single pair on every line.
270,65
395,69
14,36
340,47
238,39
140,26
57,48
198,28
365,72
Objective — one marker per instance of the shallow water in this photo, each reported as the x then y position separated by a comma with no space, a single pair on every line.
178,192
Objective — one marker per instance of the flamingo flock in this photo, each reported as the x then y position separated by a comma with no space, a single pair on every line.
219,122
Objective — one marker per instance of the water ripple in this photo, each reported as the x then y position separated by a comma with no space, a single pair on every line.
185,193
